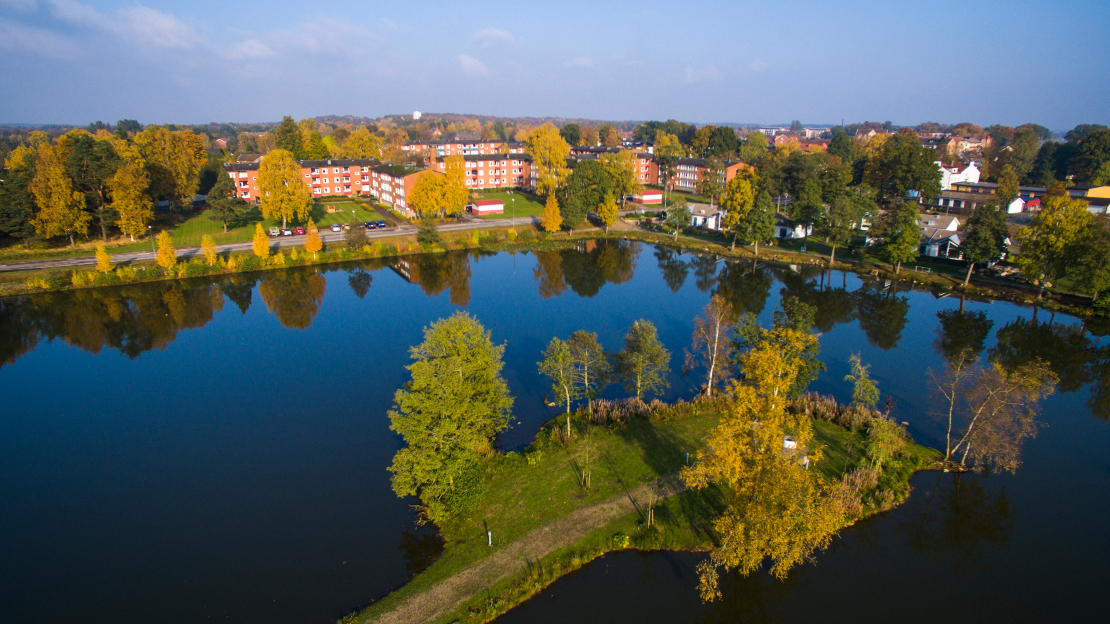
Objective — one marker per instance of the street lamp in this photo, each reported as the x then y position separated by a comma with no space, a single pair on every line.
150,233
513,220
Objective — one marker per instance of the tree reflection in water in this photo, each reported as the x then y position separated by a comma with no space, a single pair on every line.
674,269
745,285
585,269
882,314
960,518
360,282
293,296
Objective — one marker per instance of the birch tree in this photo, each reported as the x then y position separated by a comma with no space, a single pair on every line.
712,346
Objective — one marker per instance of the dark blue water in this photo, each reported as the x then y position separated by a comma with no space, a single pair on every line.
181,452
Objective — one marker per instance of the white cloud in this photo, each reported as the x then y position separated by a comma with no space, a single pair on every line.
388,23
757,66
472,67
158,28
700,75
582,61
488,37
249,49
18,37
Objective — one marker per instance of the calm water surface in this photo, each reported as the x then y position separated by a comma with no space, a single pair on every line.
185,452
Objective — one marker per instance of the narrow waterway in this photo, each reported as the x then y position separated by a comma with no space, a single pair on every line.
216,449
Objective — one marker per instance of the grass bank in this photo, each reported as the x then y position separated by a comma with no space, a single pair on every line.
558,476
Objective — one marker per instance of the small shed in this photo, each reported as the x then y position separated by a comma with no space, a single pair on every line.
788,442
649,197
488,207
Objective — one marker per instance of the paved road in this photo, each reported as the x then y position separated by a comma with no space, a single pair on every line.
468,223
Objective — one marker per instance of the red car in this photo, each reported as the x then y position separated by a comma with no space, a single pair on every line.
299,230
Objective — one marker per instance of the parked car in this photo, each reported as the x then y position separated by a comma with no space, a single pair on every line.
381,224
275,232
299,230
346,226
336,227
287,232
370,225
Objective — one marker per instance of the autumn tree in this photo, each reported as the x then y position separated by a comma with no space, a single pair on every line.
620,168
312,142
712,344
611,138
175,159
551,219
282,191
130,201
448,412
608,212
795,315
737,202
643,363
985,241
224,202
589,136
361,144
166,257
208,247
312,242
1050,239
261,242
91,165
103,259
549,154
1009,186
60,207
455,193
428,195
777,509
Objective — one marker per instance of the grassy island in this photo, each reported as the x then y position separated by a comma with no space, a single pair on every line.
610,485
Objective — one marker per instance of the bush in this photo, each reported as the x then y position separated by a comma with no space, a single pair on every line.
126,275
250,263
468,490
526,235
852,417
428,233
194,269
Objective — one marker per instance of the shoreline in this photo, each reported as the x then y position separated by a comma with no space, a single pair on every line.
683,516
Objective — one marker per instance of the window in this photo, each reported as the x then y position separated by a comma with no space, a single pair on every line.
316,191
327,189
243,184
346,178
315,180
347,188
246,195
345,170
315,170
242,174
325,180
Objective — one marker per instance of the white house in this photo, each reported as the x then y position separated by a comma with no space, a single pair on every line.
786,228
940,243
938,222
952,175
706,216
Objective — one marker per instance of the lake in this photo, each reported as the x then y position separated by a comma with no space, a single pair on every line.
216,449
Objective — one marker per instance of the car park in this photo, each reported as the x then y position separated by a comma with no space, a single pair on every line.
299,230
275,232
336,227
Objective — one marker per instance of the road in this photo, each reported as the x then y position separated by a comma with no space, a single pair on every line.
468,223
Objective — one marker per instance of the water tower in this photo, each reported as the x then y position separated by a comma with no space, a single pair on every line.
416,115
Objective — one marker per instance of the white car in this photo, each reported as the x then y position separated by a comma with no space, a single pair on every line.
336,227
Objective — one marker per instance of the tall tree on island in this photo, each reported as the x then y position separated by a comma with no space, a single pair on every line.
644,362
712,346
448,412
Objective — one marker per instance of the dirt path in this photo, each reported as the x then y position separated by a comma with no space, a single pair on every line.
446,596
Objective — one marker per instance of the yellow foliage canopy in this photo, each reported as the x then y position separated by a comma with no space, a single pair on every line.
61,208
129,198
167,255
282,191
261,242
549,154
551,218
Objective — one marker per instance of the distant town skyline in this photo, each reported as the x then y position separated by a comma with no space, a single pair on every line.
70,62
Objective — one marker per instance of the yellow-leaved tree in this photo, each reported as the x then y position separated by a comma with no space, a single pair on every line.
428,194
261,243
455,192
737,203
208,246
549,154
620,168
607,212
361,144
176,158
129,198
167,255
281,188
778,509
103,259
60,207
551,219
312,242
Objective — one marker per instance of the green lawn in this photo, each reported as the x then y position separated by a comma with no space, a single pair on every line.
531,490
526,204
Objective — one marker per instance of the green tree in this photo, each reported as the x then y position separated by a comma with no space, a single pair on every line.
900,235
902,165
711,184
712,346
449,411
591,368
355,235
558,365
287,136
1009,186
678,216
864,391
1092,266
17,203
807,210
427,233
585,189
571,133
644,362
841,146
1048,243
840,222
224,202
92,164
760,224
985,241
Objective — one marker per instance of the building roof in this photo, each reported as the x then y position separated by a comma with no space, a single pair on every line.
703,210
488,202
248,158
474,157
397,171
340,162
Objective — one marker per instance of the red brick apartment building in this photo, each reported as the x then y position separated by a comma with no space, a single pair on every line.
689,171
391,184
442,149
496,171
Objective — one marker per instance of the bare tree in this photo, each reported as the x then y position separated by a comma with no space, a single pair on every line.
712,347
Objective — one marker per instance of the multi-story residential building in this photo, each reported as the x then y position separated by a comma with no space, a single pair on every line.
454,147
392,185
689,171
324,177
496,171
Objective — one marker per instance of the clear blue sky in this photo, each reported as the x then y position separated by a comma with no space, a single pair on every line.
67,61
